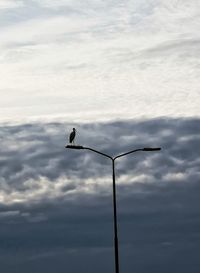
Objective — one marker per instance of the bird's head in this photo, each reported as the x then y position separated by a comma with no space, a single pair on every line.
74,129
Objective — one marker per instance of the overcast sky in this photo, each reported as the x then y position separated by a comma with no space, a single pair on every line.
66,58
126,75
56,205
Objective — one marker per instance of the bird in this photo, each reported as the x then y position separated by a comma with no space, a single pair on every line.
72,136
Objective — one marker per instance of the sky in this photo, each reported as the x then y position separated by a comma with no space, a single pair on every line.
125,74
66,59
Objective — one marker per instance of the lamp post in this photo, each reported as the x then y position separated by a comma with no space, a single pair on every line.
78,147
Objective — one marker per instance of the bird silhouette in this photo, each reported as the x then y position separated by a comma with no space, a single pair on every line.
72,136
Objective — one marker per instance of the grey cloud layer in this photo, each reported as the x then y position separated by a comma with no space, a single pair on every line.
34,151
61,223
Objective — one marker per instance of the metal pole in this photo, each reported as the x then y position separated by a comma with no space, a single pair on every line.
115,220
78,147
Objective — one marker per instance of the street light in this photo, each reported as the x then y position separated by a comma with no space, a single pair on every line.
78,147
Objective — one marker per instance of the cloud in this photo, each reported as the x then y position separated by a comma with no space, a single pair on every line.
11,4
5,214
35,157
140,55
94,61
61,200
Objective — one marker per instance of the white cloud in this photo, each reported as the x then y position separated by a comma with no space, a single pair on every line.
10,4
55,4
142,56
178,176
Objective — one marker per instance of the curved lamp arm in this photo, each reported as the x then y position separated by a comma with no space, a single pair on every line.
78,147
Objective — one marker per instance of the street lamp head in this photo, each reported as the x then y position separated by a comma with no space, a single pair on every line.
151,149
76,147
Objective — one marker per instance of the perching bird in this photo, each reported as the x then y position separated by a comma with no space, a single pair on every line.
72,136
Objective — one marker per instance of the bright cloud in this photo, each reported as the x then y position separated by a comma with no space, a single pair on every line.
10,4
129,59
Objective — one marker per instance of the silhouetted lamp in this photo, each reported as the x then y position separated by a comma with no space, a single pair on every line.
78,147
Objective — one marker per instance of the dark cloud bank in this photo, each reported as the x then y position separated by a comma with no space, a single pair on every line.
67,226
